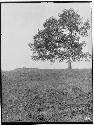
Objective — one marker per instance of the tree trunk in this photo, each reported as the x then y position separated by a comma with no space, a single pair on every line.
69,65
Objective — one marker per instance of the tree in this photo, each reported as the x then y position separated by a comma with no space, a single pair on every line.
60,39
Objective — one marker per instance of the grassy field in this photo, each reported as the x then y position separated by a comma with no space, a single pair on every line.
47,95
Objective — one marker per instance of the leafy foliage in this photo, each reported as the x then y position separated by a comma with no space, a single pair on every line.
60,38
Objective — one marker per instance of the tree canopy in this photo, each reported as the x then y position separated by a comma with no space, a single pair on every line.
60,38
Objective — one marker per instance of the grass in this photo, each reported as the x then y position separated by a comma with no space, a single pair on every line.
47,95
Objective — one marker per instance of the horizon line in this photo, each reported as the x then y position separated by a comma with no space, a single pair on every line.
47,69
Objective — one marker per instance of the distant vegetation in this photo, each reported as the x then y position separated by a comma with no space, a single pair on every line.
47,95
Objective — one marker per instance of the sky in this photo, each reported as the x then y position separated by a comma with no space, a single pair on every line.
21,21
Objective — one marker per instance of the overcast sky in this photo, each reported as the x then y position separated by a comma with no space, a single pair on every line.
21,21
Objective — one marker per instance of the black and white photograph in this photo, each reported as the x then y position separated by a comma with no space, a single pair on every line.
46,62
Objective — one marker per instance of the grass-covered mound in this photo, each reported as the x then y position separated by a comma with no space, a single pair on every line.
34,95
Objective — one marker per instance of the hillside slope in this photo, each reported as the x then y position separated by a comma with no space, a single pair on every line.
31,94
